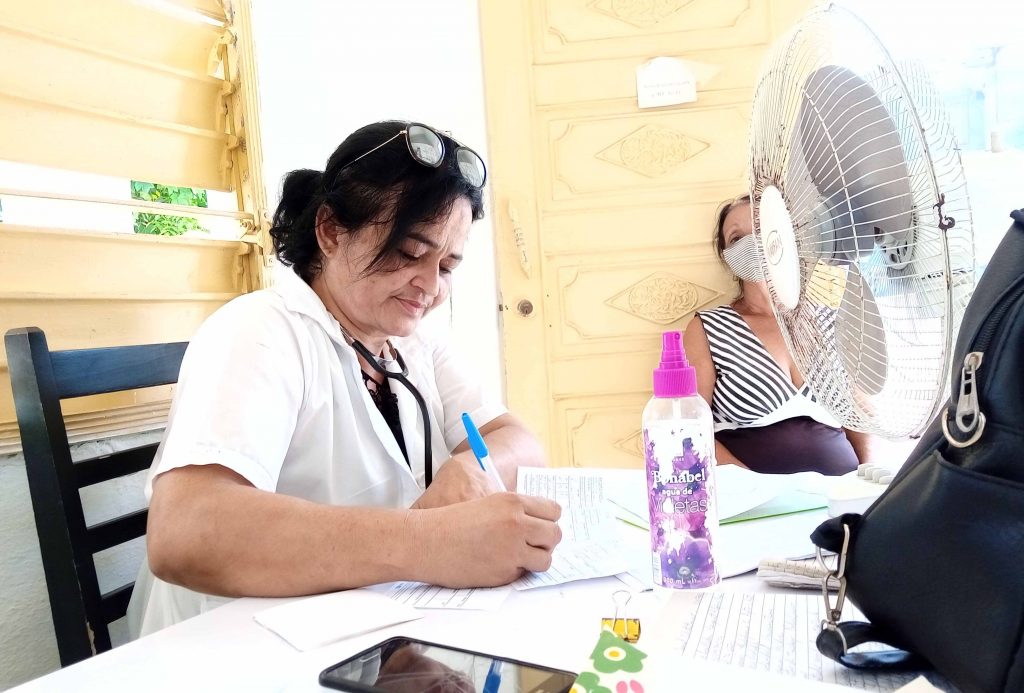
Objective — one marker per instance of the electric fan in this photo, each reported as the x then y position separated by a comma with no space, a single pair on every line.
862,222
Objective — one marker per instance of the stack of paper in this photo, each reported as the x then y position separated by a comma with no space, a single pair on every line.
777,500
806,574
768,633
316,621
577,560
589,547
424,596
742,495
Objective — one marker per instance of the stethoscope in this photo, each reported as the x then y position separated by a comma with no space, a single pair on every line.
376,364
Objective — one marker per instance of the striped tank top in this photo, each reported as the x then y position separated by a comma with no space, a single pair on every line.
751,389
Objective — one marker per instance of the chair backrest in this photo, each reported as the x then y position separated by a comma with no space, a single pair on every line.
40,379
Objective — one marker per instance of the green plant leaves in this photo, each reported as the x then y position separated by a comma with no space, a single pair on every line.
163,224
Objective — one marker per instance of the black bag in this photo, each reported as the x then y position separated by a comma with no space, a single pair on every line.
937,562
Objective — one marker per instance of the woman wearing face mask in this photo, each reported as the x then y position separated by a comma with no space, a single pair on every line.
766,417
315,441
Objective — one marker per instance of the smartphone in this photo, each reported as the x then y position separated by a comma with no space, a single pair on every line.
405,665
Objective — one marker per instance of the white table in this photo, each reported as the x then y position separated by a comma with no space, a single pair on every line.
226,650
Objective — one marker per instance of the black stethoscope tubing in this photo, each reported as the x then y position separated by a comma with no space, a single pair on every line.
403,377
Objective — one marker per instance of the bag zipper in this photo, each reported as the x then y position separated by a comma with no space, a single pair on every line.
968,412
970,420
984,336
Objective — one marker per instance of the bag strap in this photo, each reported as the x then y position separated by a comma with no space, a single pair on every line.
837,641
836,638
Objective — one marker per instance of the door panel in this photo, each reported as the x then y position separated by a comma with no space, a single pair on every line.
570,83
607,308
604,211
649,154
604,436
589,29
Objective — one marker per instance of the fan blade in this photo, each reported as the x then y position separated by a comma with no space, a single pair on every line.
860,336
853,153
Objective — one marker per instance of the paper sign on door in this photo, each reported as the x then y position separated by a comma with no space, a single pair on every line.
665,82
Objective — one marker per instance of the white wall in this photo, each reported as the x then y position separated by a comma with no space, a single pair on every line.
328,68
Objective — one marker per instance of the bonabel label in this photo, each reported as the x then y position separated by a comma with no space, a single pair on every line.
681,500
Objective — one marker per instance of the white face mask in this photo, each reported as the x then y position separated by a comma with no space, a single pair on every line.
741,257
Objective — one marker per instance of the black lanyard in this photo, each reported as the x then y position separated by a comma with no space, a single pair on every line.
403,377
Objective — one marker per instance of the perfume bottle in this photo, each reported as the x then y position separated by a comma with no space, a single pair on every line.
679,451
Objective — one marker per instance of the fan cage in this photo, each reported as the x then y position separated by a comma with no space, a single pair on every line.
862,169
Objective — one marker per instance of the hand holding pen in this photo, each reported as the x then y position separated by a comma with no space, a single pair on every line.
479,448
460,479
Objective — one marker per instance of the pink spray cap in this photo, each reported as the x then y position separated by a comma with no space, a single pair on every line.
674,377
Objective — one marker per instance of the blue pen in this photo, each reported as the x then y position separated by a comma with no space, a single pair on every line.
479,447
493,681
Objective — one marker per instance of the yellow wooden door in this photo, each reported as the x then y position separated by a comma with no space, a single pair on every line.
603,210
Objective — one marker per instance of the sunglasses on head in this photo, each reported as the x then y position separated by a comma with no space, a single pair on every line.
427,147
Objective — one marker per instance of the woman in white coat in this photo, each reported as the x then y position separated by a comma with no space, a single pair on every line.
296,460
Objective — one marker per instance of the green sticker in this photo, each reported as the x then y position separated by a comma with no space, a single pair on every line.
588,682
612,653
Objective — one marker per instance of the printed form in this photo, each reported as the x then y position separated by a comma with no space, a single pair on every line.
580,560
588,548
772,633
424,596
581,496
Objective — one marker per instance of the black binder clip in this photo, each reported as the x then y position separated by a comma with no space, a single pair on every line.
626,628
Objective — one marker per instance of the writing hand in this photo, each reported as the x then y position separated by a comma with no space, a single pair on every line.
489,541
459,479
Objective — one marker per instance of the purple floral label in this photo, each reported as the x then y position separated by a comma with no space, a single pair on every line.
682,504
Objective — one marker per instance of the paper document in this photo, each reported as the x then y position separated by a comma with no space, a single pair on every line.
740,489
424,596
786,503
630,517
589,547
576,561
919,685
309,623
740,546
637,580
628,500
741,493
581,495
771,633
806,574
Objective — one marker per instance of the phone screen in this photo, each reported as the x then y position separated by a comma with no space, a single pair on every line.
403,665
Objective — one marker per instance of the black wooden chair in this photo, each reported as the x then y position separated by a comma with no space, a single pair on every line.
40,379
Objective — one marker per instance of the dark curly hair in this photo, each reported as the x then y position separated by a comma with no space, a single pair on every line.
387,187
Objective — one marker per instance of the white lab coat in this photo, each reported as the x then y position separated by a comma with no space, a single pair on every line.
270,389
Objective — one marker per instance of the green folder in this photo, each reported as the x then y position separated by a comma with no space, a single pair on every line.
783,504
